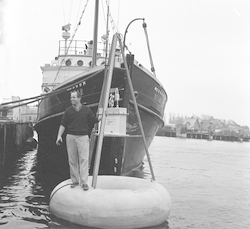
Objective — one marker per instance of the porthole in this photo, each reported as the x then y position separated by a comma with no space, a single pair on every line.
68,62
80,63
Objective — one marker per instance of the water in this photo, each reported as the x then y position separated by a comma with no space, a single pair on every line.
208,181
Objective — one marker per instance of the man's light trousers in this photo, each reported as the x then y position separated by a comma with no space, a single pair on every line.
78,154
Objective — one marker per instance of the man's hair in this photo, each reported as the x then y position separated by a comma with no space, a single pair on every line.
78,93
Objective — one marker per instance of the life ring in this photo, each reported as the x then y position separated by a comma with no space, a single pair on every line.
117,202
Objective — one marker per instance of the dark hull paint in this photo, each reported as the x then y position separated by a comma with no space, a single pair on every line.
119,155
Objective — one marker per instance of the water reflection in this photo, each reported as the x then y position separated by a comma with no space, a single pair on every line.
208,181
22,198
26,181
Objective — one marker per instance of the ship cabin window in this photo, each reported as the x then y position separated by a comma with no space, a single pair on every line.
68,62
79,63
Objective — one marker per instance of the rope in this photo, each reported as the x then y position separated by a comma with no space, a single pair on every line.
113,25
118,13
80,5
63,11
104,19
66,53
21,100
37,98
71,4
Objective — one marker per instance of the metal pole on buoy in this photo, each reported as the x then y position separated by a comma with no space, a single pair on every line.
104,105
106,89
136,109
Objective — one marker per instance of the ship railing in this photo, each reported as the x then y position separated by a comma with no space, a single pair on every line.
81,47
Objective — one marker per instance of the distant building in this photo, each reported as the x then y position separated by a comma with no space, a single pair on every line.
192,124
208,126
181,131
21,114
205,125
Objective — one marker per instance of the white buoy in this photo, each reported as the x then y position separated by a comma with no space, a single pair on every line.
117,202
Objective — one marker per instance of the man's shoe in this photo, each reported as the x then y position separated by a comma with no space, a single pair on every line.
74,184
85,187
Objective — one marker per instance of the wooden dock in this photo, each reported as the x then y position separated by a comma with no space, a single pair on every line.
205,136
13,137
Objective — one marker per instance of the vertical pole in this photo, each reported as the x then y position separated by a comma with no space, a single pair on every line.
93,137
65,47
136,109
101,100
105,105
95,33
107,37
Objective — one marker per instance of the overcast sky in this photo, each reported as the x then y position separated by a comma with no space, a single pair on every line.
201,49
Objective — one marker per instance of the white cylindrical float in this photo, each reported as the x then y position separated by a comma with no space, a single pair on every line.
117,202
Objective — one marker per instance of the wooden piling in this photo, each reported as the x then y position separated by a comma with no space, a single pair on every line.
4,143
13,137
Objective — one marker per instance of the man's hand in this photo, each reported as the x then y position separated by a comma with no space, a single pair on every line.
59,140
59,135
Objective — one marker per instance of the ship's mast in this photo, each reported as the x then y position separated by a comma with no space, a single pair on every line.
95,33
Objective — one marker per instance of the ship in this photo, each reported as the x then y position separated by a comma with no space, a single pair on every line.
82,65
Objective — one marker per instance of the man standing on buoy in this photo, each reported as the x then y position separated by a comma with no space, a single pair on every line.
77,121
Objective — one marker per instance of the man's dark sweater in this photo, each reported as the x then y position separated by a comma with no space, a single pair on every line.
78,122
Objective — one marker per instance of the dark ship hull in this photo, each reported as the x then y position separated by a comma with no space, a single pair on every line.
120,155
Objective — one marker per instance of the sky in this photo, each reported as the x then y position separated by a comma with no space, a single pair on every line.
200,48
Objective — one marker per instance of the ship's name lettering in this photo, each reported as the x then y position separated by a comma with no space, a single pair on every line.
160,91
77,86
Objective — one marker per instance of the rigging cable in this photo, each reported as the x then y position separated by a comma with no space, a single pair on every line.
66,53
78,12
113,25
70,9
118,11
63,12
104,19
33,99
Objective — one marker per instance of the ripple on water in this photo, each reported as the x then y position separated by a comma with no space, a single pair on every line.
208,181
